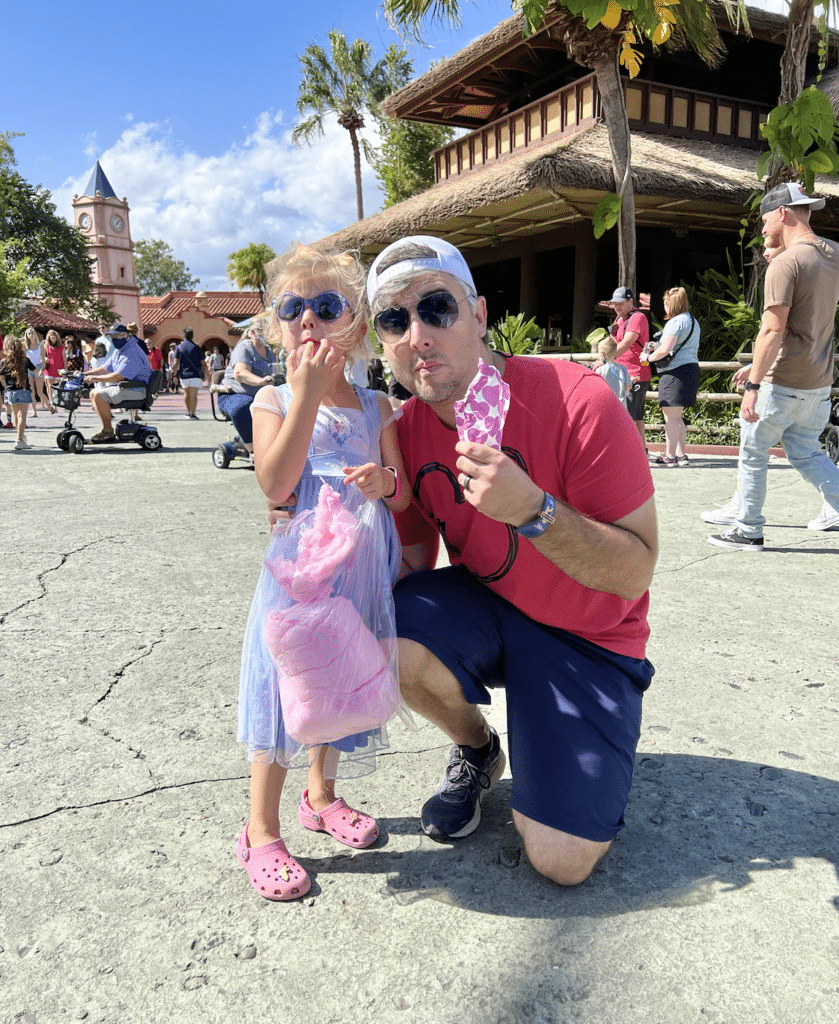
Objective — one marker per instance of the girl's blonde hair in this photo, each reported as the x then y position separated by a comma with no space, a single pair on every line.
341,271
31,337
52,338
676,301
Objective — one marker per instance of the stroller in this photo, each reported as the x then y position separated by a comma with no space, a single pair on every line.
68,395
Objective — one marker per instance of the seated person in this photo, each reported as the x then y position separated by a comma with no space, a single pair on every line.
248,369
128,362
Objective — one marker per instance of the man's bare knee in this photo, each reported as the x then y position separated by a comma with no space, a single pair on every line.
559,856
433,691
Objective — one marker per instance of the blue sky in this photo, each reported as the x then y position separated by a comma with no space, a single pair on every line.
189,108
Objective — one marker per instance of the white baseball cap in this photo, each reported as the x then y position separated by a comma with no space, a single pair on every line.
448,261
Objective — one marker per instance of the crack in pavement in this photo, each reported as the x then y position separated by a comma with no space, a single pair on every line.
121,799
162,789
120,672
39,579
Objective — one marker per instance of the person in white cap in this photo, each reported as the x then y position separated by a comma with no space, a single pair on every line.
552,542
787,396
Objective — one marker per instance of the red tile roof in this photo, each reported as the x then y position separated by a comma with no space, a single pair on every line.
231,306
42,318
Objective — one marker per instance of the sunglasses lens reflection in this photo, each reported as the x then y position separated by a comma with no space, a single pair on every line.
289,307
438,310
327,306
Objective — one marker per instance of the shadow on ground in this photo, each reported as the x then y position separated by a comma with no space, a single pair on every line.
694,823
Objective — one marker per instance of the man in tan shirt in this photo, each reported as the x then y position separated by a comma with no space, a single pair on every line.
787,395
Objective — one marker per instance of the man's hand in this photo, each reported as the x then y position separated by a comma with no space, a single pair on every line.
747,407
497,487
742,375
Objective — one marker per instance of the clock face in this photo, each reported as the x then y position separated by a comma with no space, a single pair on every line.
85,222
116,222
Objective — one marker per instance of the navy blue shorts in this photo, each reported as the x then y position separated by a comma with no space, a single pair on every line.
573,708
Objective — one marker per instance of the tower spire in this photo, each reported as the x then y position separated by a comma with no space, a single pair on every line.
99,183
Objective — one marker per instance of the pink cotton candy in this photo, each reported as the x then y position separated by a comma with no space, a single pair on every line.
481,414
322,548
334,678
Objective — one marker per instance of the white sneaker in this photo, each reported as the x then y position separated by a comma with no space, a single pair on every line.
23,445
725,516
827,520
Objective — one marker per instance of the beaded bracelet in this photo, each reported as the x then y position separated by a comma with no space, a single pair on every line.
395,495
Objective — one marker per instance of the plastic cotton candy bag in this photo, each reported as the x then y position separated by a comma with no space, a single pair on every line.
333,637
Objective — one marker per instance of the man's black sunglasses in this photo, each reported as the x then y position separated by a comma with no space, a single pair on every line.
439,310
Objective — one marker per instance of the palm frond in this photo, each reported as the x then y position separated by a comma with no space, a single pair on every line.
408,16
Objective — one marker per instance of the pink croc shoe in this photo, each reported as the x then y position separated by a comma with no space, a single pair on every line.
341,822
273,872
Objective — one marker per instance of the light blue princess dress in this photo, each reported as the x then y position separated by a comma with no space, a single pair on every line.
362,583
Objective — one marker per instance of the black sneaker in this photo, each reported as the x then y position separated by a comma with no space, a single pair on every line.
736,541
455,809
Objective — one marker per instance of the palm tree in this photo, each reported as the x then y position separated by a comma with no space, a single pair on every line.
342,82
246,267
603,44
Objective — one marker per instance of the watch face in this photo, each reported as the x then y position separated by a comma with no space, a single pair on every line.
85,222
116,222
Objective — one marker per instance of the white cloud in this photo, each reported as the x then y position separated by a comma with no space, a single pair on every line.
261,190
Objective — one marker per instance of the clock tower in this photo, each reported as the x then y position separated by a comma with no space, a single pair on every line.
103,220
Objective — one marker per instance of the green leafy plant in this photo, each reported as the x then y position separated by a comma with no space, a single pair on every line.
516,335
804,135
606,214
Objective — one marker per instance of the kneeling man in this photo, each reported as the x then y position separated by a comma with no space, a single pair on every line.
552,542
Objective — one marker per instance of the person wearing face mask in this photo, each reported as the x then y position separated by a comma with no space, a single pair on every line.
128,362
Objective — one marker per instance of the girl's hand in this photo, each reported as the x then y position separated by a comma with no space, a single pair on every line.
373,481
312,371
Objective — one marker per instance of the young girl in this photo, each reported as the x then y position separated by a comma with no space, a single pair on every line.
36,353
15,370
317,439
55,362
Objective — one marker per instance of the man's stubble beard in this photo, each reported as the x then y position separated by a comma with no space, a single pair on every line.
431,394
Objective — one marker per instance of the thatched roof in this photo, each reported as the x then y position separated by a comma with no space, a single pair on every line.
467,88
696,184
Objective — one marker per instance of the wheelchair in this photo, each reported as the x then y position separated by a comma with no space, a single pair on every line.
68,395
233,448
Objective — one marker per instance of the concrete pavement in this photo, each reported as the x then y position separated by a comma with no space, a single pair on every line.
126,580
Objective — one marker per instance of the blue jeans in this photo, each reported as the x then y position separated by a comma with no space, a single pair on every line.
796,418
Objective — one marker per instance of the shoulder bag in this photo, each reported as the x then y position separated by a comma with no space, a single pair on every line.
661,364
